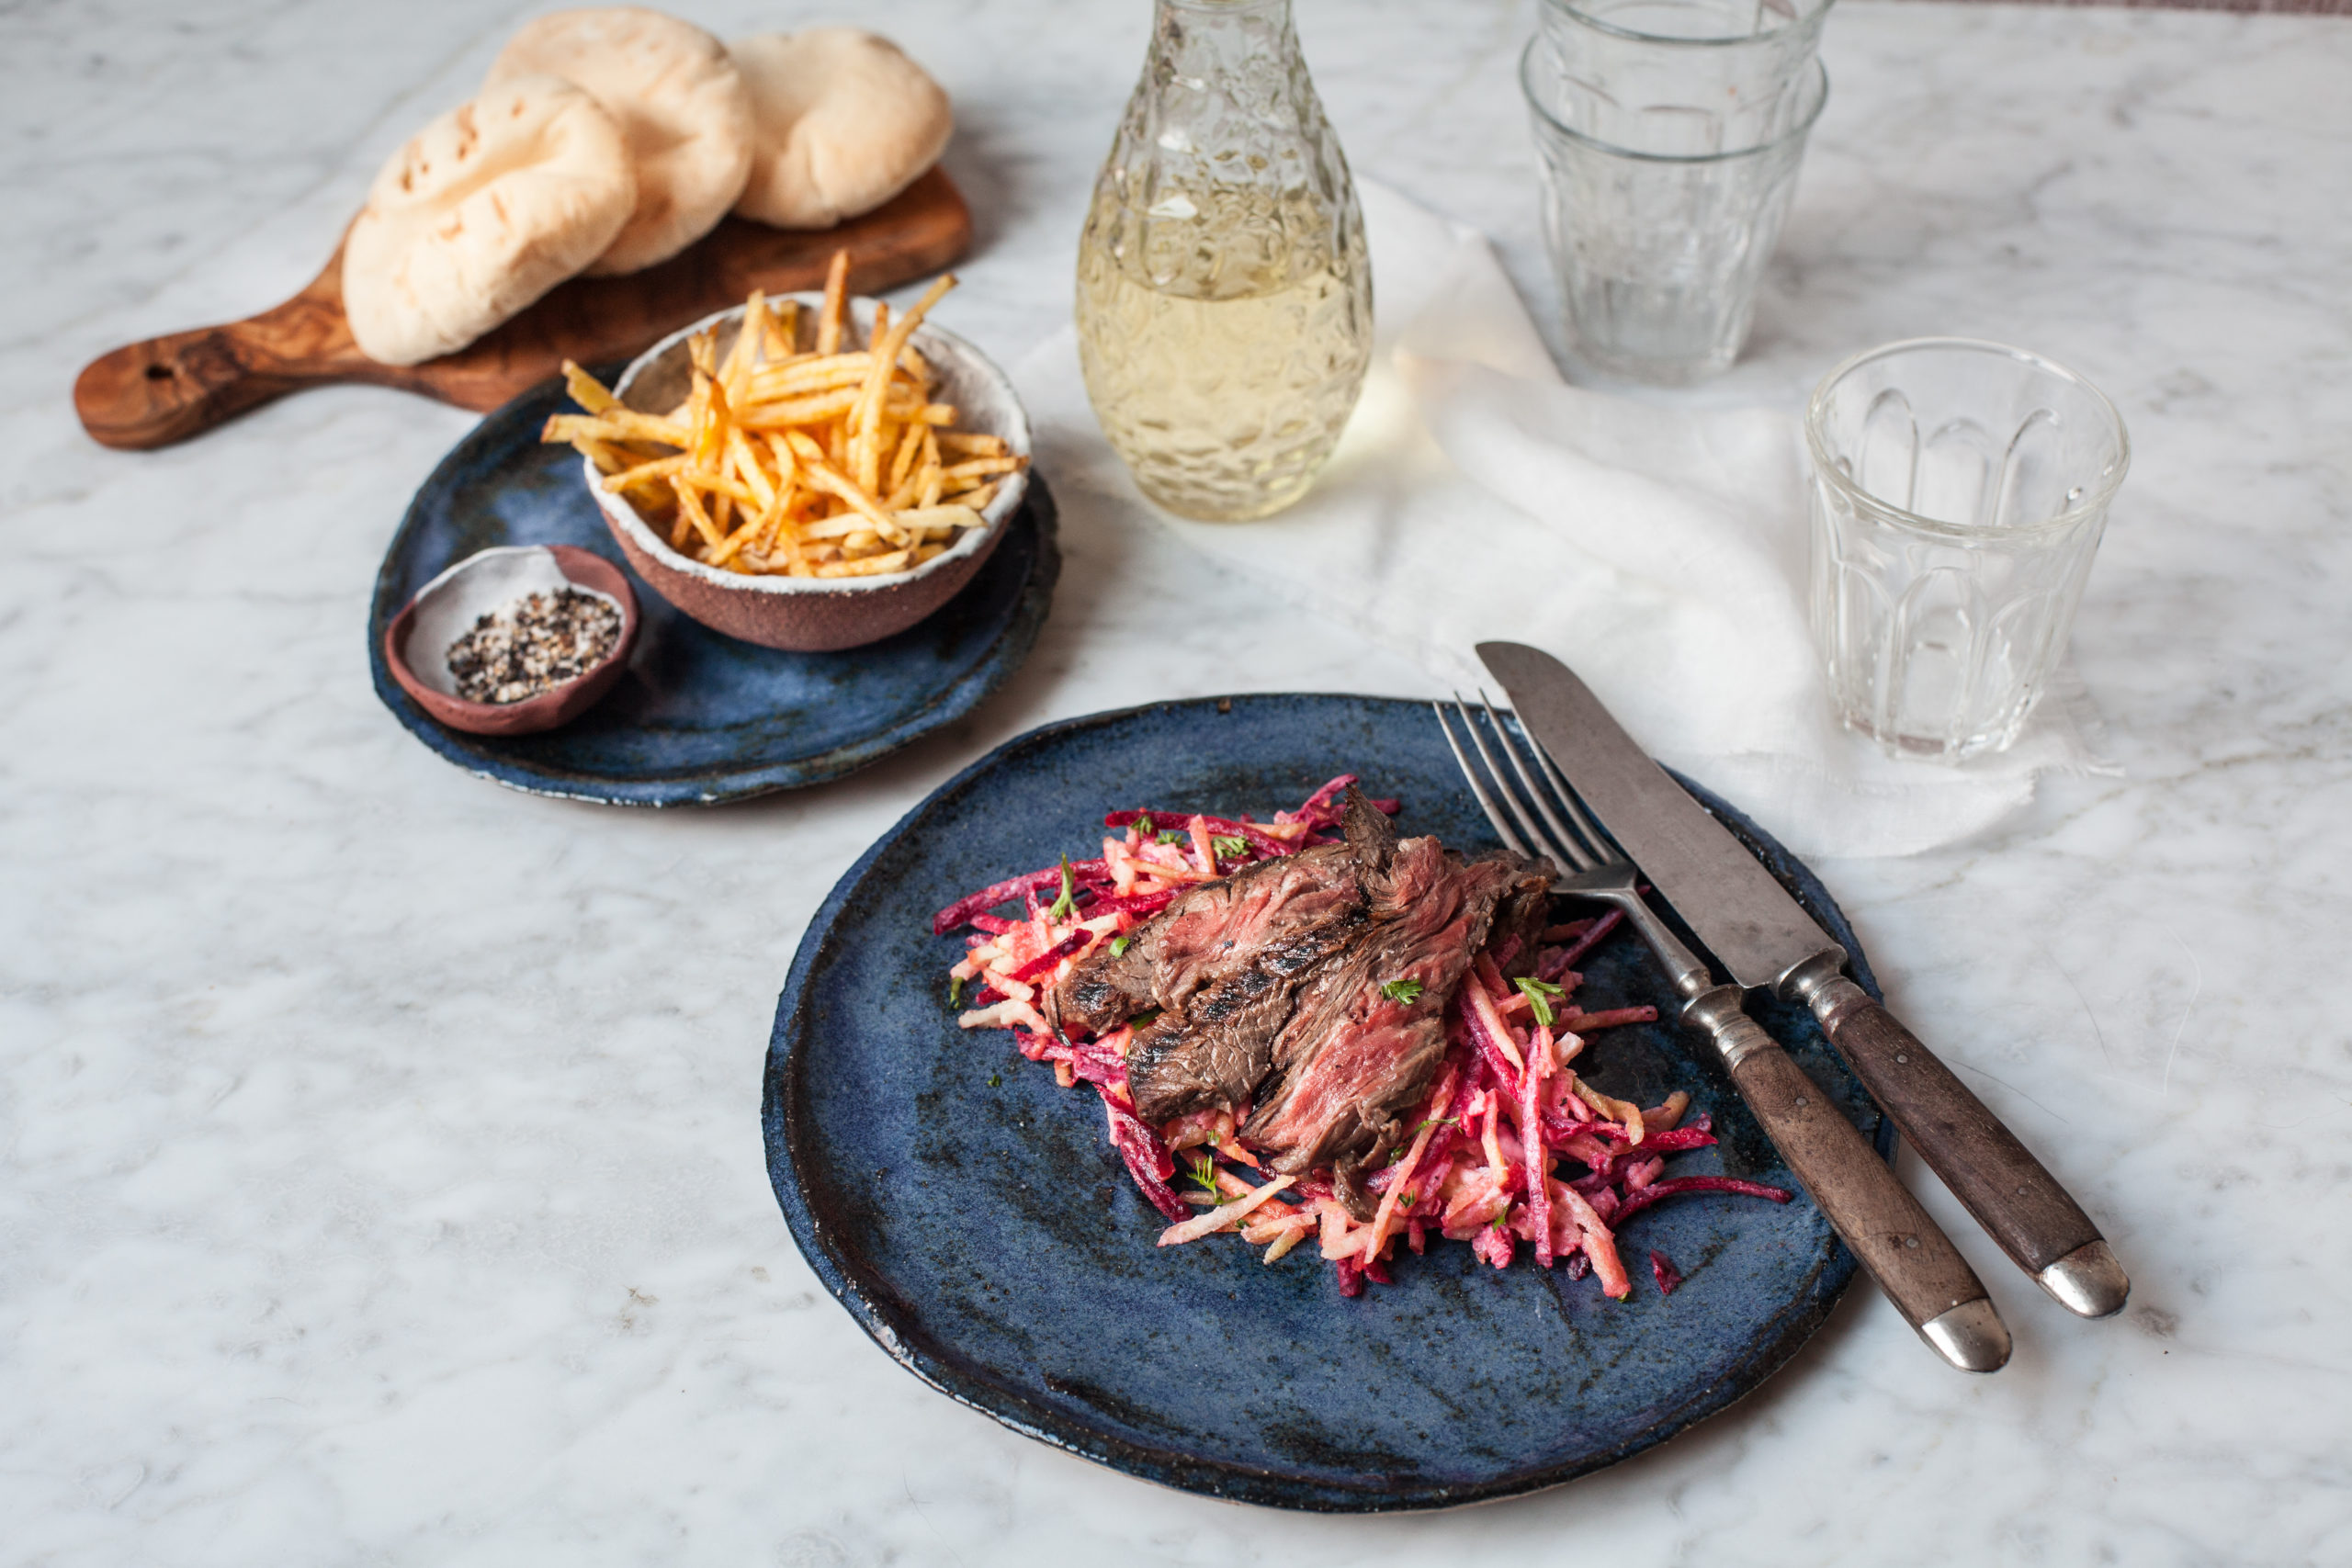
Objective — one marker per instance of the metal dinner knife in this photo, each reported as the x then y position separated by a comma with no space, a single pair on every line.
1766,939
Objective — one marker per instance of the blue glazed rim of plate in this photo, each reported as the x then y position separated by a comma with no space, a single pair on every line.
659,740
914,1328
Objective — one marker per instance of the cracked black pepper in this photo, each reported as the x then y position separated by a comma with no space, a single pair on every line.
534,645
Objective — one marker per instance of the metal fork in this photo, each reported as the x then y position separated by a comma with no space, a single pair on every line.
1597,868
1930,1282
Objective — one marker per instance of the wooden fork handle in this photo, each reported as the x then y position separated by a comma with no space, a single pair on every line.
1860,1195
2017,1200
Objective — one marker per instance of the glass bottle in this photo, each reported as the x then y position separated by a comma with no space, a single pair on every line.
1224,295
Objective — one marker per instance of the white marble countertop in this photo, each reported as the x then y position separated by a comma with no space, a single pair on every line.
372,1192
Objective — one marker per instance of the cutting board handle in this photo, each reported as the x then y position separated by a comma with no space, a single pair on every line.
168,389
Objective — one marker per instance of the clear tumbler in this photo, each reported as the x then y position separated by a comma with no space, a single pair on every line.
1681,75
1960,491
1660,223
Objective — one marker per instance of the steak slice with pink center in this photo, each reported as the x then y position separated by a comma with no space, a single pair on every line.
1366,1037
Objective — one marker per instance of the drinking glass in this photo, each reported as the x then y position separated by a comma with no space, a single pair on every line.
1659,241
1960,491
1681,75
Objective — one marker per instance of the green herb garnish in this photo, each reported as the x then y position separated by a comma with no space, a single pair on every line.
1225,846
1538,993
1403,990
955,991
995,1081
1119,945
1143,825
1204,1174
1416,1131
1067,902
1174,835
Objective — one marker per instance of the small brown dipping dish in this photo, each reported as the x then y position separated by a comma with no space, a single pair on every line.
417,644
807,614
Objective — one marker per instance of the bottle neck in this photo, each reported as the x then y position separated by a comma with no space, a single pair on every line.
1221,45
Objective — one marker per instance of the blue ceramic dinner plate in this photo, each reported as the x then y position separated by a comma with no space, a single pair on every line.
699,717
975,1219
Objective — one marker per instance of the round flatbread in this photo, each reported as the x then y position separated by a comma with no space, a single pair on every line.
845,122
679,103
482,212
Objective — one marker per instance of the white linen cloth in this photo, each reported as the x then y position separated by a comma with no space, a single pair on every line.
1661,553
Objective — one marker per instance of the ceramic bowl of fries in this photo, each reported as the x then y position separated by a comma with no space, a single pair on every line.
774,478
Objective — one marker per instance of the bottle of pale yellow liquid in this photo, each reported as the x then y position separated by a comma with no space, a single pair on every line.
1223,297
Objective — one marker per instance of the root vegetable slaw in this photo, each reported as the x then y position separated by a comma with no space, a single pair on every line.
1510,1146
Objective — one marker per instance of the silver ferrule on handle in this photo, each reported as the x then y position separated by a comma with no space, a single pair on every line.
1717,1013
1808,982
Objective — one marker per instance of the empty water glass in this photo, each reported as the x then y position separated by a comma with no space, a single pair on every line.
1658,240
1689,76
1960,491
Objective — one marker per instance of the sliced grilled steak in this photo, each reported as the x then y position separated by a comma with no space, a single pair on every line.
1214,1051
1354,1058
1224,966
1523,913
1218,929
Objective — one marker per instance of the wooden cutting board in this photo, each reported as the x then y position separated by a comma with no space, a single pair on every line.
168,388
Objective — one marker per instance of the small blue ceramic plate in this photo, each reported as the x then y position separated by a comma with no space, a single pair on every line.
974,1218
699,717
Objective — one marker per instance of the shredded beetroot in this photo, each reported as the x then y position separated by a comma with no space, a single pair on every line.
1494,1245
1096,1065
1672,1141
1554,968
1139,903
961,911
1320,809
1558,1130
1591,938
1053,955
1673,1185
1147,1158
1321,801
1579,1022
1350,1277
1490,1050
1667,1275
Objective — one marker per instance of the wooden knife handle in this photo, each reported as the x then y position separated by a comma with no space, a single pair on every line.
1914,1262
2018,1201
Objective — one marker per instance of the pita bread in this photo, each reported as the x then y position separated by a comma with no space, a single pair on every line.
482,212
679,103
845,122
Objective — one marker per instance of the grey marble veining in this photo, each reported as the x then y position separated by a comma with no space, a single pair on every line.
379,1174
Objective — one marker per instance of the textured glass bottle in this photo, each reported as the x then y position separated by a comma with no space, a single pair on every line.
1223,297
